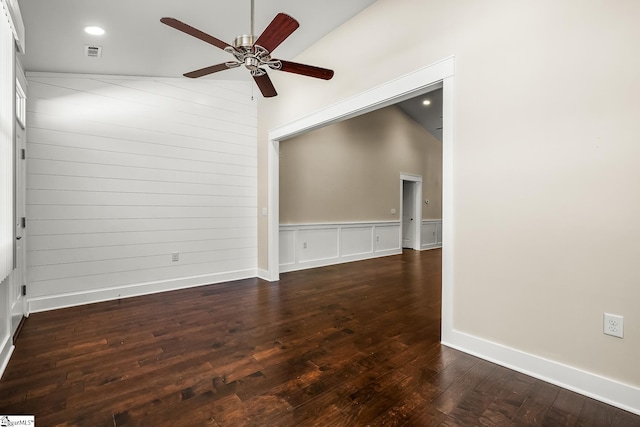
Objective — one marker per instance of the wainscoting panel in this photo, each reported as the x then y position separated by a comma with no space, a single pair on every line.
388,237
287,247
356,240
314,245
317,244
431,234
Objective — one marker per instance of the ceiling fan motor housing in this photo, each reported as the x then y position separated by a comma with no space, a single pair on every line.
252,56
245,53
245,41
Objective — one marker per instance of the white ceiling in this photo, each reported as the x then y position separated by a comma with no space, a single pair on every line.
136,43
427,116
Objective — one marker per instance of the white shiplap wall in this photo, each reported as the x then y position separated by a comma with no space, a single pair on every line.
125,171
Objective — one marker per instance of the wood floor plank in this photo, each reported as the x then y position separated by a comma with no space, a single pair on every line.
537,404
458,398
356,344
565,409
598,414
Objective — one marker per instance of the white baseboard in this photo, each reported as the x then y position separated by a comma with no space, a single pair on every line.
334,261
606,390
429,247
54,302
6,350
264,275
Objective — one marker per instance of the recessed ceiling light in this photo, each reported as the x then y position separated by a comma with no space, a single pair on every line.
94,31
426,102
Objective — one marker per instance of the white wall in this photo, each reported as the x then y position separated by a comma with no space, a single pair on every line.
545,147
125,171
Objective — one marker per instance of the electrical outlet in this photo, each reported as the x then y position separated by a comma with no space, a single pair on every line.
614,325
175,257
304,245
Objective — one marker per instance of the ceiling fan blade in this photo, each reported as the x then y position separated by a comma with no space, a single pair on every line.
188,29
278,30
306,70
265,85
208,70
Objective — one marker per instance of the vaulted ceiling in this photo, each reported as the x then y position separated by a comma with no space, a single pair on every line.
426,110
136,43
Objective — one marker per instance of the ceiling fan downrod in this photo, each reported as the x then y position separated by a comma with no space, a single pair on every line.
253,17
254,57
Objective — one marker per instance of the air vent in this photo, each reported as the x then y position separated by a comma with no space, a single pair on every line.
93,51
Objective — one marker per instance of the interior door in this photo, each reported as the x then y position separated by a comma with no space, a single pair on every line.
18,275
408,211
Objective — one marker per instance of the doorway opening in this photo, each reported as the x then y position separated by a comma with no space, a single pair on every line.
17,291
411,211
424,80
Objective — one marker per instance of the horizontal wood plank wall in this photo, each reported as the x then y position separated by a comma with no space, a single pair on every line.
313,245
125,171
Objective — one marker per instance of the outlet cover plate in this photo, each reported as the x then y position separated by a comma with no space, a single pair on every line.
613,325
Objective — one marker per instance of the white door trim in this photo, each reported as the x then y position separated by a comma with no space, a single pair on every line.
417,208
405,87
421,81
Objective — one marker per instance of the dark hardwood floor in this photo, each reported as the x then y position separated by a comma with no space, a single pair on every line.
348,345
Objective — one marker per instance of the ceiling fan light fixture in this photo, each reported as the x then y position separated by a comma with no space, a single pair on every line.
251,63
94,30
254,54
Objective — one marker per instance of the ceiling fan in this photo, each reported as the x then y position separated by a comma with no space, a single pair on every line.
254,54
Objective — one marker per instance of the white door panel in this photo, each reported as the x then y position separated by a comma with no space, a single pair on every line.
18,274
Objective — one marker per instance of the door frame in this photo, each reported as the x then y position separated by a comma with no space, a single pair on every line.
423,80
18,301
417,208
